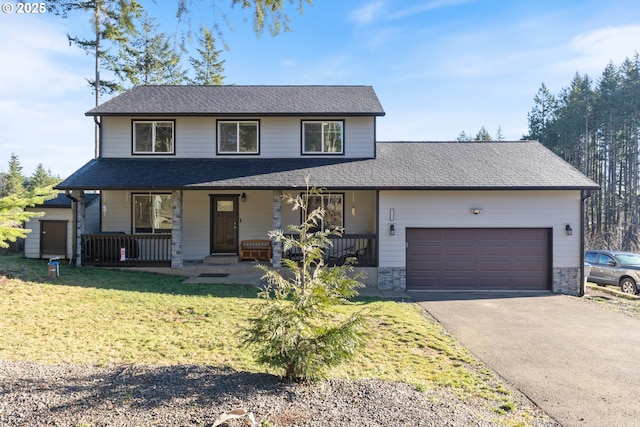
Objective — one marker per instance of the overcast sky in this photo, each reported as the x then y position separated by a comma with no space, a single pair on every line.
439,67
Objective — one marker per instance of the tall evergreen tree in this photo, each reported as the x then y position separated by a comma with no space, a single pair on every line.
542,116
112,24
208,68
14,180
597,129
41,178
149,59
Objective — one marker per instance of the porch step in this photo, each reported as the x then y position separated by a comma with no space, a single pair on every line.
221,259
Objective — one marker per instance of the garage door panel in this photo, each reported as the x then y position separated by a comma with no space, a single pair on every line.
529,250
459,281
493,283
424,250
474,259
458,266
455,234
424,234
495,251
459,250
427,266
494,266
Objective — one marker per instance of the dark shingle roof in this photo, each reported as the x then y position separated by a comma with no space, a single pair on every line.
398,165
243,100
62,201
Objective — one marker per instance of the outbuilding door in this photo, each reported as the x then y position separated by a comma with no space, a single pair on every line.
478,259
53,239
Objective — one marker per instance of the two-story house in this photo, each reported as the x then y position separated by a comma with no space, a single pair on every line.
190,172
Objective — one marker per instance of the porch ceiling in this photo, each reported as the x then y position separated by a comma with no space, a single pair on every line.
413,166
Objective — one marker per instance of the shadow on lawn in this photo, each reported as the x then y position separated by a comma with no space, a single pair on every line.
116,279
31,270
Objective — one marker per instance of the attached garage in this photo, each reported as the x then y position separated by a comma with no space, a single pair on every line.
479,259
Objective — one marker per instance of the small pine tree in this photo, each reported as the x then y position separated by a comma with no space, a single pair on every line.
462,136
297,328
13,214
482,135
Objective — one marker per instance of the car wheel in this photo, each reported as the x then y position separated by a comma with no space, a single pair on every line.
628,286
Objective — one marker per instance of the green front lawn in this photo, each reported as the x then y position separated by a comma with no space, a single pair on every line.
101,316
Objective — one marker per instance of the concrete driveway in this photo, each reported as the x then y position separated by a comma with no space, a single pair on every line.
576,360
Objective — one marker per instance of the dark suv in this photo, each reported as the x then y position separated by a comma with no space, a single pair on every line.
615,268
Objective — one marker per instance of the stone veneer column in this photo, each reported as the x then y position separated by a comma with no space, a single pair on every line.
566,280
277,225
79,214
392,278
177,256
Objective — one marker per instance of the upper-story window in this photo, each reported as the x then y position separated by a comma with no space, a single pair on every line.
323,137
238,137
153,137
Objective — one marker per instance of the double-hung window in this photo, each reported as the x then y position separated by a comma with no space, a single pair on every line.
152,213
323,137
333,209
238,137
153,137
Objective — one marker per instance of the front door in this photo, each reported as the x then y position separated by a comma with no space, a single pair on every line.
224,224
53,239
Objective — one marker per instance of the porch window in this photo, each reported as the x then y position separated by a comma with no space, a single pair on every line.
238,137
322,137
153,137
152,213
333,207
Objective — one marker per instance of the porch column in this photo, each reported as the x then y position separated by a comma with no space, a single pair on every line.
79,220
177,256
277,225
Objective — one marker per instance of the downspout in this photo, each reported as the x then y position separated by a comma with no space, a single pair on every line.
585,195
74,234
98,135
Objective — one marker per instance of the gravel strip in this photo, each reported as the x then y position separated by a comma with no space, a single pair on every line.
133,395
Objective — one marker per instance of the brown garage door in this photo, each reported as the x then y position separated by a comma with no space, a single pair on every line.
478,259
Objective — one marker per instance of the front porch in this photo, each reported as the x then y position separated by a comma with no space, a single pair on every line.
170,229
118,249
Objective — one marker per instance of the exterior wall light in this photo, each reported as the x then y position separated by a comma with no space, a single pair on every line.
392,230
475,211
568,230
243,197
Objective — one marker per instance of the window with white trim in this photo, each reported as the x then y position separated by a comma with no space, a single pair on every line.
153,137
322,137
238,137
152,213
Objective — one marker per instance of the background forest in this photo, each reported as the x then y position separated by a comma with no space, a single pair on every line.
594,126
